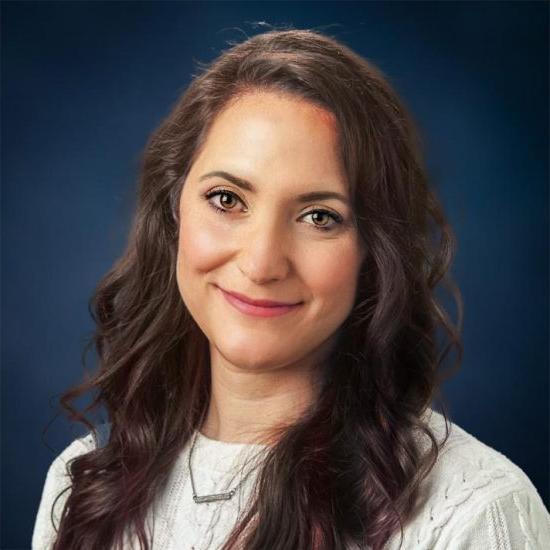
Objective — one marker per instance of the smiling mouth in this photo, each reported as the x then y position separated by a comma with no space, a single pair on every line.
258,310
260,303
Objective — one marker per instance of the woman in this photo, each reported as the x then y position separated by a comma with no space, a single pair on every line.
267,341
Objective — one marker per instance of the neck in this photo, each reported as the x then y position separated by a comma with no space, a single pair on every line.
248,406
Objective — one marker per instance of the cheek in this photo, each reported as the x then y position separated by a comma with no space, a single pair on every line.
333,272
199,252
199,245
332,275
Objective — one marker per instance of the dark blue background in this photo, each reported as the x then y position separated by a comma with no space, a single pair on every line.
84,84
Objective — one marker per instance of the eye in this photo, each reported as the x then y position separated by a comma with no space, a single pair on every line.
223,193
338,220
316,214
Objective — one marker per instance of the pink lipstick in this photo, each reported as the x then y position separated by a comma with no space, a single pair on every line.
258,308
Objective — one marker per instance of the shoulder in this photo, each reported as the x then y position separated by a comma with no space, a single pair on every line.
474,497
57,482
58,468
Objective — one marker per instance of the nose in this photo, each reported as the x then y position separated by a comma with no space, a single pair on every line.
264,251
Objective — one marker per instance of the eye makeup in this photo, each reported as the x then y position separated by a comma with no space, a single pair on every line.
338,220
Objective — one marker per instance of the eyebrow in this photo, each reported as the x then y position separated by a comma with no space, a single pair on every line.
247,186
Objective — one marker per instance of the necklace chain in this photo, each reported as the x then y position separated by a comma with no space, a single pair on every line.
216,496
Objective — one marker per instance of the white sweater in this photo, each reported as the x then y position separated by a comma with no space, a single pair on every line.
475,498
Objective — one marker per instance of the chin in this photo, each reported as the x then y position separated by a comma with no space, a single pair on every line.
250,358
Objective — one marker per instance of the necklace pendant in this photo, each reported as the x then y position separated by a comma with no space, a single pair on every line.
212,498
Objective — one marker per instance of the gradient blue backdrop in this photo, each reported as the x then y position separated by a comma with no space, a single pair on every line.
84,84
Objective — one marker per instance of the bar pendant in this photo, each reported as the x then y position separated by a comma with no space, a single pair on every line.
212,498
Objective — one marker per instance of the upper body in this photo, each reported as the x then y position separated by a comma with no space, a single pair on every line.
473,498
282,263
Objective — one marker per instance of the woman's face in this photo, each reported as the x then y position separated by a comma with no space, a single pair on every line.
269,243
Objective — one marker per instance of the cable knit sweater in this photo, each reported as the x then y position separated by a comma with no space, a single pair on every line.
474,498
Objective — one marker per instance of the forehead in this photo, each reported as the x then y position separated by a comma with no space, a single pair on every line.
270,135
275,107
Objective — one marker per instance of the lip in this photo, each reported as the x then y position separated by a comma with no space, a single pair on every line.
254,309
262,303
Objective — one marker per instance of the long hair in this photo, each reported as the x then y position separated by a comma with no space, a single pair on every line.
349,469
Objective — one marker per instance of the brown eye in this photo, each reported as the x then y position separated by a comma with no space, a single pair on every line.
317,215
228,199
225,196
320,214
225,206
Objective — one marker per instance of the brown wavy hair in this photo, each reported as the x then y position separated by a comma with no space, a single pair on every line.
348,471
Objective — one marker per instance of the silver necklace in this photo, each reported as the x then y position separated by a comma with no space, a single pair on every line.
216,496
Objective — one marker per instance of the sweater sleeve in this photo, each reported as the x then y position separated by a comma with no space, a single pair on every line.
57,479
516,520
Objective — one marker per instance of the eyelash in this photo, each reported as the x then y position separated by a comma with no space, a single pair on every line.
337,219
